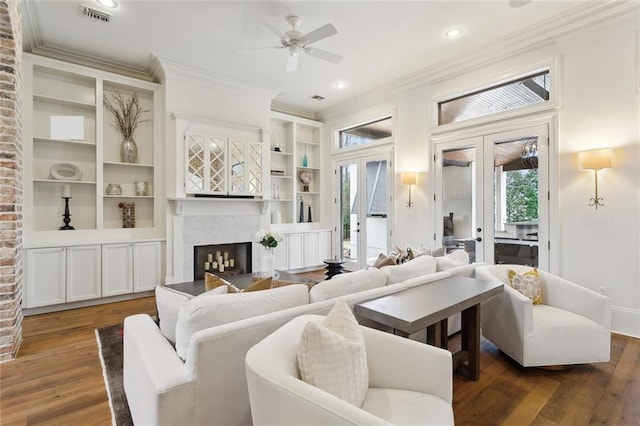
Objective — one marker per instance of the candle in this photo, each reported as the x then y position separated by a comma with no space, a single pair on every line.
232,262
226,256
206,266
226,263
221,267
66,191
215,266
219,259
217,254
210,257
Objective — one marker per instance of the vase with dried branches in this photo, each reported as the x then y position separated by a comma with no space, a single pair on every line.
128,115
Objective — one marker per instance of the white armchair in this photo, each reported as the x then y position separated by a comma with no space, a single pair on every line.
409,383
571,326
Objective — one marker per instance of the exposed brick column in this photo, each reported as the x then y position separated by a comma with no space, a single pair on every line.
10,179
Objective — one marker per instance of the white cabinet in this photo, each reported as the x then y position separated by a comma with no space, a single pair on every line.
218,165
83,273
294,248
117,269
62,274
310,254
146,266
46,277
324,247
303,249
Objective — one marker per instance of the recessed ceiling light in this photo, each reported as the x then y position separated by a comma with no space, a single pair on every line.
111,4
339,85
453,33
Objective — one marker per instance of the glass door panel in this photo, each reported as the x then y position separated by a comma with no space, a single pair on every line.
460,184
364,209
349,227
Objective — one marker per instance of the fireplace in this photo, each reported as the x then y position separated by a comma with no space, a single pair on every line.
223,260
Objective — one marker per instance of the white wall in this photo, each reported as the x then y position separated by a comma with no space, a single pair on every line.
599,106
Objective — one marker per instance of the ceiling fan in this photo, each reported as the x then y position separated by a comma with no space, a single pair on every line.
297,43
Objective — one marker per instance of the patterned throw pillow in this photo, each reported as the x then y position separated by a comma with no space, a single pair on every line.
383,260
332,356
263,284
527,283
401,256
213,281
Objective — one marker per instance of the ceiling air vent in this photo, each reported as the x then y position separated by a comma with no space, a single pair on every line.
317,98
96,14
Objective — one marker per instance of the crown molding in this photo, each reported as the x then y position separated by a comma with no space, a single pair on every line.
206,79
292,110
570,24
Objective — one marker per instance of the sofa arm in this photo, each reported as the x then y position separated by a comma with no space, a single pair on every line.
564,294
155,381
398,363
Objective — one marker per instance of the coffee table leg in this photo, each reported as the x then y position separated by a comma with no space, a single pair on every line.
471,342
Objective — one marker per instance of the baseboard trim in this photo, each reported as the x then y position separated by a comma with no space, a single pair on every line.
625,321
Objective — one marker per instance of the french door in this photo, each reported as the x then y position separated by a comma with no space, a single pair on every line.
363,208
492,196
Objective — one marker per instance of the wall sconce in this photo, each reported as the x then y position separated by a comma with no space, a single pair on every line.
595,159
409,179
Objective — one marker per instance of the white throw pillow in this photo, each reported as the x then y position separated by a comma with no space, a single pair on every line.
168,302
343,284
422,265
453,259
205,312
332,356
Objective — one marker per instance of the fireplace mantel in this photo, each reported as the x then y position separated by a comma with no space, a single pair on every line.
194,206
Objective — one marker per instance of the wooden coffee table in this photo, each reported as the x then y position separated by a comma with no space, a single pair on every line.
428,306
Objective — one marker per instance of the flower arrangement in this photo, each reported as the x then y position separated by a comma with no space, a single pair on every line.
127,112
268,239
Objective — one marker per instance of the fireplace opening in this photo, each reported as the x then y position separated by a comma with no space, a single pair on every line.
224,260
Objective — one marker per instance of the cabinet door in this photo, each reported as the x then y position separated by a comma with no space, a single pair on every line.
324,247
83,273
294,249
146,266
281,256
310,249
117,269
45,277
245,168
206,169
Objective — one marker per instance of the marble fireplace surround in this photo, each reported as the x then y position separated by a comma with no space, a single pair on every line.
208,221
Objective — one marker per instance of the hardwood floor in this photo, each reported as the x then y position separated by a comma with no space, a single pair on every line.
57,379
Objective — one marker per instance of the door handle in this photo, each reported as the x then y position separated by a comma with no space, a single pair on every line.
479,239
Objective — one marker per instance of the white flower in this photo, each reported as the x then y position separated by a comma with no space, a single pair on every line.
261,235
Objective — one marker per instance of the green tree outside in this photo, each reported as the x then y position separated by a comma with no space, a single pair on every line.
522,195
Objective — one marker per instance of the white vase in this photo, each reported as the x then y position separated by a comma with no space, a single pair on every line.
266,262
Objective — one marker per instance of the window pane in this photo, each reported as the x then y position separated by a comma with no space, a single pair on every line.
366,133
526,91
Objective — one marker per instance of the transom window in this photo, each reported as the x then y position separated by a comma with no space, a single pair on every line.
529,90
366,133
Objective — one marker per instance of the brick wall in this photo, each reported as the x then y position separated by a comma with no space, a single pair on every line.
10,179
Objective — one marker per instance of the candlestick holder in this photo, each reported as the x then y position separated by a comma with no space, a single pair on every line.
67,216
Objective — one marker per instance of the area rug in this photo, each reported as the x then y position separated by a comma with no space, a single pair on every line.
110,350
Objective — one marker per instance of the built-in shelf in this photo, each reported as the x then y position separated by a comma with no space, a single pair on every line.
308,143
281,177
64,102
281,153
75,182
307,193
120,164
151,197
61,141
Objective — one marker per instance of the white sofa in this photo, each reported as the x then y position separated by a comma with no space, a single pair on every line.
416,390
208,384
571,326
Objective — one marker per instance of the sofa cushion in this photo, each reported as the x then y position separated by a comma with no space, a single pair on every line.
414,268
527,283
205,312
343,284
453,259
332,356
168,303
404,407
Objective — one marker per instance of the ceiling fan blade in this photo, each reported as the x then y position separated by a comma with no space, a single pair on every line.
320,33
323,54
273,29
249,49
293,62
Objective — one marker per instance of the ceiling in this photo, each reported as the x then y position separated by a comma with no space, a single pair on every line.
381,41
